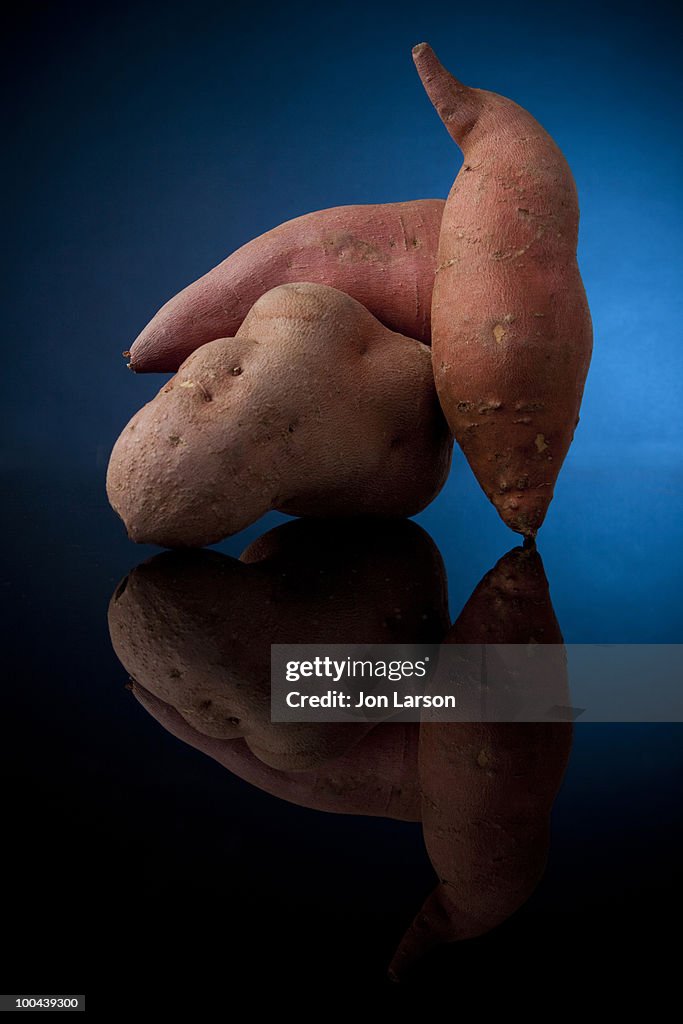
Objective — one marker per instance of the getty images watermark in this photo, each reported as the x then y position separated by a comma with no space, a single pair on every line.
349,670
477,682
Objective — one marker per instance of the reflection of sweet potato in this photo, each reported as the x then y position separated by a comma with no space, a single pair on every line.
384,256
488,789
195,629
377,777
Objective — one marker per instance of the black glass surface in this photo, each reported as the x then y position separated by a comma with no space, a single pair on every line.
115,827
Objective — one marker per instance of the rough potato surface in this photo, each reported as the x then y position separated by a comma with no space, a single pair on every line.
511,330
488,789
194,630
314,409
383,255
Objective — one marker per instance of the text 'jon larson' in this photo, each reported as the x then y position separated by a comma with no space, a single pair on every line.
339,699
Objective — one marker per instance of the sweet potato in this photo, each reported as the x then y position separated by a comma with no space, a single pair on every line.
488,789
384,256
314,409
376,778
194,629
511,329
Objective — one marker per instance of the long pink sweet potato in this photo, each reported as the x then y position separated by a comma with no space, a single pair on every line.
382,255
511,330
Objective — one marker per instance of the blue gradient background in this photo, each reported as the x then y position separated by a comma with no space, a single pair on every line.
147,142
151,141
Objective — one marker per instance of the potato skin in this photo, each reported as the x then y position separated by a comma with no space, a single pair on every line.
194,629
512,334
314,409
383,255
488,789
377,777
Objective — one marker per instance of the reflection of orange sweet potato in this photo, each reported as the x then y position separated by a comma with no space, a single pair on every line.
376,777
488,789
194,629
511,330
384,256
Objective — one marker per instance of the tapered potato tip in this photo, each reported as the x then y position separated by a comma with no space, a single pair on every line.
423,55
457,105
129,365
432,927
427,63
429,67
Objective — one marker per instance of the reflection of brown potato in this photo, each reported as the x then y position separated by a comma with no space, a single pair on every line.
377,777
488,789
195,629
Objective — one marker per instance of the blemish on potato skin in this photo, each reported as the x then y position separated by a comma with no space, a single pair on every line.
483,759
348,246
529,406
201,388
499,333
492,405
541,443
520,484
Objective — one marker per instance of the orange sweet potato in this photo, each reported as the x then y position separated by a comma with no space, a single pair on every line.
384,256
511,329
488,789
